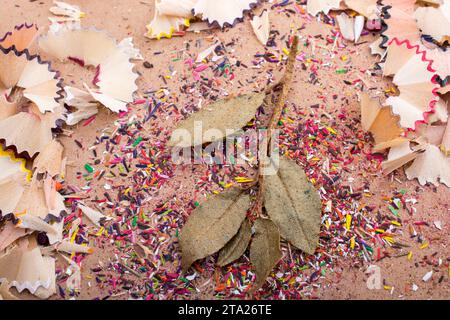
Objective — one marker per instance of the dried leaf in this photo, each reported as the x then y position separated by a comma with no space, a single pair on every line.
265,250
294,205
236,246
212,225
223,117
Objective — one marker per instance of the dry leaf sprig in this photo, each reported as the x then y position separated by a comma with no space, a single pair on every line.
286,204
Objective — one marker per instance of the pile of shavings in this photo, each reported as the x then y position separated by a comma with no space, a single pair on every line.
413,122
114,76
36,227
32,164
413,51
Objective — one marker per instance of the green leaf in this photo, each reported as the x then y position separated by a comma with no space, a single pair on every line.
294,205
236,246
212,224
265,250
225,117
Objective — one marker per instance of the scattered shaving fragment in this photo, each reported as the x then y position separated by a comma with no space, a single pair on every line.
40,84
74,280
400,23
83,101
350,27
261,27
398,156
435,22
115,76
414,78
381,123
30,131
65,12
21,37
206,53
127,47
70,247
32,269
94,216
430,166
12,167
50,159
427,276
5,294
10,233
164,25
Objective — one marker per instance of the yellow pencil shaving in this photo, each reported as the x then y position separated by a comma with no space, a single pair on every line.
424,245
410,254
352,242
389,239
331,130
228,185
90,250
19,214
72,239
99,233
387,287
348,221
380,230
395,223
286,51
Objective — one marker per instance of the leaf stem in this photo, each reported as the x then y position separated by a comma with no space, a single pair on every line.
285,84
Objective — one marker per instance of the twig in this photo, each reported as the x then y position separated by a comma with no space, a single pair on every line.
285,84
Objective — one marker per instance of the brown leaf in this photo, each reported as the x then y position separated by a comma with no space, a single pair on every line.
294,205
236,246
225,117
212,225
265,250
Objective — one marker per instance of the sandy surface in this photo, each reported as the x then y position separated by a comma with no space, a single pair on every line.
346,280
